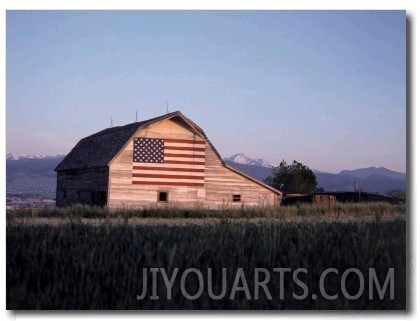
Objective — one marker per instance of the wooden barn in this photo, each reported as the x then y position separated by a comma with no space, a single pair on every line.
164,161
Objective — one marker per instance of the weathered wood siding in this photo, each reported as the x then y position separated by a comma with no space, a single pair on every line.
81,186
220,184
122,193
324,198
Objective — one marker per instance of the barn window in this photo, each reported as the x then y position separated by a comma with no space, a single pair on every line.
236,198
64,194
162,196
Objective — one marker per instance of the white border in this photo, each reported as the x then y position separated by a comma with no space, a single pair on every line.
408,5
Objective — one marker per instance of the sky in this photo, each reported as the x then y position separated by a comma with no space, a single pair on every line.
325,88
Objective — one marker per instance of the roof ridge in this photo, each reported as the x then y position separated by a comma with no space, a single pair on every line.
126,126
112,130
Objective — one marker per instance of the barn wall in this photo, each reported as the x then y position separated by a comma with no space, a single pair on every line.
220,182
87,186
122,193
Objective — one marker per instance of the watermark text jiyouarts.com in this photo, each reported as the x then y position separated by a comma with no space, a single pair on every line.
259,284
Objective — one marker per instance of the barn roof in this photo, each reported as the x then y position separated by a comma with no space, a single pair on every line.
98,150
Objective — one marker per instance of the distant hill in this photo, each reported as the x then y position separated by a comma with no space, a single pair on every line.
371,179
372,183
376,171
31,175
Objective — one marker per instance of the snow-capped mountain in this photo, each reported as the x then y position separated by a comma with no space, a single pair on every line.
11,156
243,159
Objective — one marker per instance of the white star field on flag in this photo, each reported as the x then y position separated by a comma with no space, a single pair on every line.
148,150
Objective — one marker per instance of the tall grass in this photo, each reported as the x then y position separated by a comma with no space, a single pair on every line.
298,210
78,266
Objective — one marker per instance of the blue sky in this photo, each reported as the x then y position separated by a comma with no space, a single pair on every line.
327,88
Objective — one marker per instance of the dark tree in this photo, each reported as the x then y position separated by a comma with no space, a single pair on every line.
293,178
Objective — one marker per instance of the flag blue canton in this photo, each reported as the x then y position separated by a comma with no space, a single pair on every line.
148,150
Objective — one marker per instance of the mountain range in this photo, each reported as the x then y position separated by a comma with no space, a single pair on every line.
34,175
31,175
371,179
11,156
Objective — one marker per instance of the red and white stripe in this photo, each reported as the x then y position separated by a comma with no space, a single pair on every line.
184,165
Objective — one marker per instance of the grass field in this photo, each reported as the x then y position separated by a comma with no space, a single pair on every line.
81,266
335,210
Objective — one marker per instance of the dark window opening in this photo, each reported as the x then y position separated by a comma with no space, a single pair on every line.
64,194
236,198
163,197
101,198
78,195
98,198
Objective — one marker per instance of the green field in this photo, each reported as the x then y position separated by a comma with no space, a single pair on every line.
80,266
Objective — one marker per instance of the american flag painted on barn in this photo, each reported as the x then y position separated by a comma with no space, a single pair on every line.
169,161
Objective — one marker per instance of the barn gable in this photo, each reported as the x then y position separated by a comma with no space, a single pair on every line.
164,160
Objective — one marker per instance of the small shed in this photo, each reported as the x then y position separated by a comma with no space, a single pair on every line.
167,160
